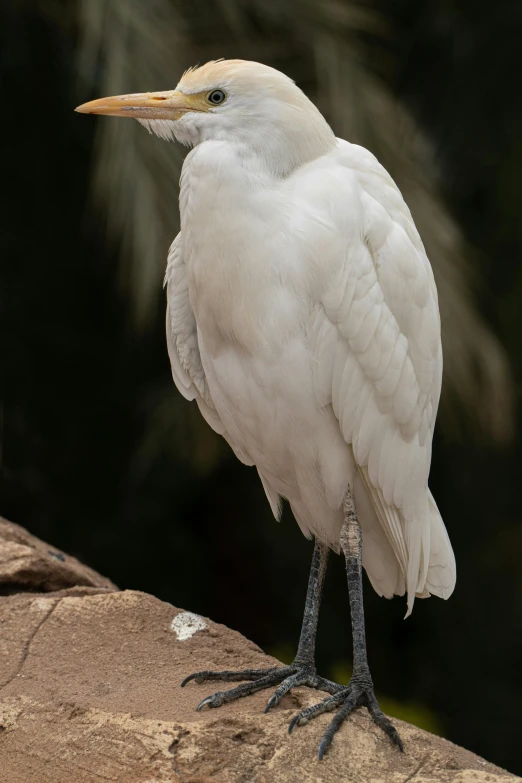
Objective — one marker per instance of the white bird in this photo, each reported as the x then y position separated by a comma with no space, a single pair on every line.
302,317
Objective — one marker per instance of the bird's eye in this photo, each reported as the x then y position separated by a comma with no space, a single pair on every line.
216,97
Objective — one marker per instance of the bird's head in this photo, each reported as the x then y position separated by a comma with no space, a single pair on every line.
231,100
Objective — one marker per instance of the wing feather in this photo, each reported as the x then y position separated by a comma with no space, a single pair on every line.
182,339
384,364
185,358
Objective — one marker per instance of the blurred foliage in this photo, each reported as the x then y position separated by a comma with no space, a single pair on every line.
101,457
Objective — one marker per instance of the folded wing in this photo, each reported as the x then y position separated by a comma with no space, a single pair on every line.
377,339
182,343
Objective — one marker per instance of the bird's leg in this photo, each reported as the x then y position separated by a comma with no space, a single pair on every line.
305,656
359,691
300,672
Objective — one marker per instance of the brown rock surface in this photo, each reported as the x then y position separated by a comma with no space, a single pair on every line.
89,691
26,563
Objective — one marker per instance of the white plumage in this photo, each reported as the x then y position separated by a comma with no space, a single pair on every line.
303,318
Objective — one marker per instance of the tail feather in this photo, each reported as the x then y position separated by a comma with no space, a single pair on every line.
442,569
420,548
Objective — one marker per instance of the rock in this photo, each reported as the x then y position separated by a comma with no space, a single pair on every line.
26,563
90,690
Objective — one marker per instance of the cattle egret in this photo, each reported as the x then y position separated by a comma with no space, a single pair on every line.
302,317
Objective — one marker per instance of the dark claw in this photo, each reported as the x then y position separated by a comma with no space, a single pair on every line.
188,679
212,701
271,703
323,747
292,723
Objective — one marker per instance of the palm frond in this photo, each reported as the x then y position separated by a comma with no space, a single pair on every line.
135,46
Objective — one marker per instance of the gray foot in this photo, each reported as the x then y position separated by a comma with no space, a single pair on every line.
348,698
287,677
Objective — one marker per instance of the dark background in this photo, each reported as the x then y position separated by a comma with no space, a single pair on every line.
99,454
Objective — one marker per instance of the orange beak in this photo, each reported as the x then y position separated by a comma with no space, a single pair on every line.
168,105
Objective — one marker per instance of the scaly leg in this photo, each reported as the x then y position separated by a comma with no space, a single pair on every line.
300,672
359,691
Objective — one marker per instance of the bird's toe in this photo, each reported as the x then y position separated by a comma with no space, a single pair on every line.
347,699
